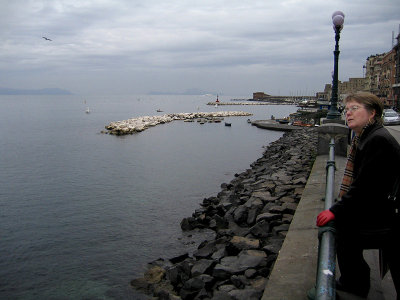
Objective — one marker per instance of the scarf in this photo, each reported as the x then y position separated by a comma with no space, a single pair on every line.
349,169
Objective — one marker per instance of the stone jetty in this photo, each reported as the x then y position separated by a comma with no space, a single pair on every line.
250,217
139,124
250,103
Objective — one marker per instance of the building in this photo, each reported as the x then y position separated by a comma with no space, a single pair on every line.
396,85
373,71
259,95
354,85
387,78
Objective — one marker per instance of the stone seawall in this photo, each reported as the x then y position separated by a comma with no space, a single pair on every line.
139,124
250,217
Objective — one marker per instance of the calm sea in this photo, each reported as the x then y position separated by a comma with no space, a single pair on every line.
81,213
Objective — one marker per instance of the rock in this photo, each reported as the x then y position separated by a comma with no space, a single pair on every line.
154,274
173,275
278,229
186,224
151,278
268,217
287,199
179,258
164,290
234,265
301,180
141,284
218,222
245,294
259,283
250,273
239,281
240,214
202,266
277,209
195,285
221,295
206,251
261,229
273,247
220,253
262,195
289,208
244,243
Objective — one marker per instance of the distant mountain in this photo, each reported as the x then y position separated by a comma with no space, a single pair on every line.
47,91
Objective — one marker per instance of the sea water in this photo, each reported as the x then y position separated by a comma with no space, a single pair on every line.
82,213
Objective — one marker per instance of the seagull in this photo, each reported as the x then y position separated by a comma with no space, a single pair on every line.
47,39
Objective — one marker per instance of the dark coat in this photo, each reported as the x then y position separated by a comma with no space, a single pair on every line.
376,165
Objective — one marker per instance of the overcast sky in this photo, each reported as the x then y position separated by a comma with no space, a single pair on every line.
281,47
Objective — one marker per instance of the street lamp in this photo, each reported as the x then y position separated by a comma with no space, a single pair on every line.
337,20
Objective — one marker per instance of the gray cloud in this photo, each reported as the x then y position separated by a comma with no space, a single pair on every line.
235,47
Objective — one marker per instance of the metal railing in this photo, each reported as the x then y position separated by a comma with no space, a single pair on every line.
325,283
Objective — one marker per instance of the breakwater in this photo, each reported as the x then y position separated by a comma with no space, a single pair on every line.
250,217
139,124
251,103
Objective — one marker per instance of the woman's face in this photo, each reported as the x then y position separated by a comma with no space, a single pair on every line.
357,116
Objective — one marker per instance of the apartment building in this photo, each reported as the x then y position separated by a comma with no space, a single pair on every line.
387,78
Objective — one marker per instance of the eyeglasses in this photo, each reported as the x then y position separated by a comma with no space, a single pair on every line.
351,109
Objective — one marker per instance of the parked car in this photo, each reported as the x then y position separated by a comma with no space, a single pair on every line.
390,117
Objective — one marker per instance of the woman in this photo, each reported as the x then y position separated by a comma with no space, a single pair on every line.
364,215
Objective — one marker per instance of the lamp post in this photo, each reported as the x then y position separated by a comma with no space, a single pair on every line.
337,20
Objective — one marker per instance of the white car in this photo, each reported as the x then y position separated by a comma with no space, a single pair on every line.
390,117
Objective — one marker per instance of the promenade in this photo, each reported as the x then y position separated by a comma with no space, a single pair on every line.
294,272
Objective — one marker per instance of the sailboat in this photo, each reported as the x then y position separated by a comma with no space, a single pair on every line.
87,110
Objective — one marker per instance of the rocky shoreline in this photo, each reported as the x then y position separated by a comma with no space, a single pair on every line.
250,217
139,124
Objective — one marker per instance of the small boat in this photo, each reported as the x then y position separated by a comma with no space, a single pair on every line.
282,121
248,121
159,110
228,124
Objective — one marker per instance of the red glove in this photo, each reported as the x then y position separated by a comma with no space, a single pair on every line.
324,217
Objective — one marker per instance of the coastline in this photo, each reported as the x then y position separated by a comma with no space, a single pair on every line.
250,217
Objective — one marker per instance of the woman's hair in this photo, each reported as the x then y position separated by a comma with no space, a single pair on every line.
370,102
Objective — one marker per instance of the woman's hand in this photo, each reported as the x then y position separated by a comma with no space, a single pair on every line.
324,217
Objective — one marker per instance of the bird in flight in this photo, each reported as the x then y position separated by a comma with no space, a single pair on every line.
47,39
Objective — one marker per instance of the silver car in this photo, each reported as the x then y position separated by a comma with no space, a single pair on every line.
390,117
